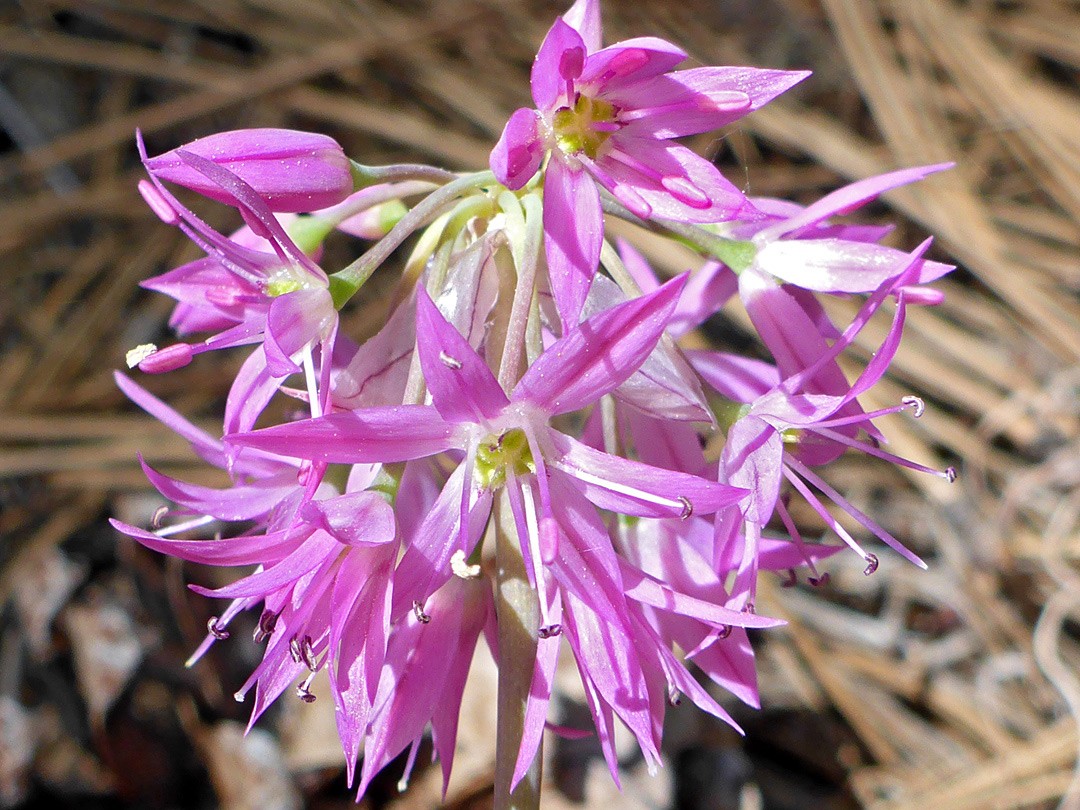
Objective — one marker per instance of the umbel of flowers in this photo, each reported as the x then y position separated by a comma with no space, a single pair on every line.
517,452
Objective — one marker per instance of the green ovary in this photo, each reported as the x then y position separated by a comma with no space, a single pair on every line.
497,453
573,127
280,286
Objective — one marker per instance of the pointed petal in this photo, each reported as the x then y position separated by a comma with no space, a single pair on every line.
309,555
650,591
753,459
628,62
584,17
296,320
560,58
632,488
847,199
387,434
674,182
573,234
600,354
519,151
244,550
837,265
714,90
355,518
462,387
240,502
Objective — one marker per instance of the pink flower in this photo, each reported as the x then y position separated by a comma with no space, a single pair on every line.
788,425
608,116
555,483
292,171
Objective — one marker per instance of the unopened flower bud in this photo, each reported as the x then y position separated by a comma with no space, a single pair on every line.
292,171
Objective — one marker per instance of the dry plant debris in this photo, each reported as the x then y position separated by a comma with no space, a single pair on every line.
950,689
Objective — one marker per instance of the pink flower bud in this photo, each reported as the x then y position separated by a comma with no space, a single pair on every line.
292,171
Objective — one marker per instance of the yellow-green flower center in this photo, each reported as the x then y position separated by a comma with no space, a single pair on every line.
280,286
574,126
497,453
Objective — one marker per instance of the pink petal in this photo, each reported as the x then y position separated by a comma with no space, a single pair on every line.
519,150
462,386
628,62
239,502
355,519
633,488
600,354
386,434
847,199
560,58
584,17
674,182
296,320
753,459
573,234
305,558
244,550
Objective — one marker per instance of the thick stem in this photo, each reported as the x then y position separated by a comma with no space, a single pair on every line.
345,283
518,613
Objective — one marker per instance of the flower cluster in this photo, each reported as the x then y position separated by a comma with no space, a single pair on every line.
520,407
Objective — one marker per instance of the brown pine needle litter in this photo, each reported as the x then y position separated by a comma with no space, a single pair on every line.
954,688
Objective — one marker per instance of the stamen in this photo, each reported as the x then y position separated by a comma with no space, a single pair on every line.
216,630
461,568
135,356
312,388
536,557
871,564
267,622
294,650
688,508
176,528
673,695
303,690
159,515
549,630
449,362
622,489
791,580
916,403
725,631
168,359
418,612
686,192
950,474
820,580
307,654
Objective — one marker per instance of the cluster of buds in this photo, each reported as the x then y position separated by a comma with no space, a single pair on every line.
525,407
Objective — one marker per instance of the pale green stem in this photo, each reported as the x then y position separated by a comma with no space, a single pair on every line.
364,176
611,260
524,293
345,283
518,614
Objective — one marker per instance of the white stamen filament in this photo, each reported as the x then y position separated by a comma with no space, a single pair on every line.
176,528
313,389
534,552
679,506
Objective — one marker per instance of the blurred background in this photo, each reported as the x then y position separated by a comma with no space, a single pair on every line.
953,688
